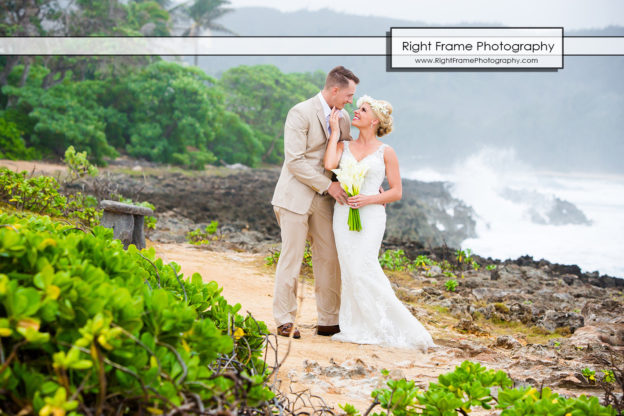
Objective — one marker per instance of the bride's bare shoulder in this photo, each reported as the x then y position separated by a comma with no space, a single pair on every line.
389,153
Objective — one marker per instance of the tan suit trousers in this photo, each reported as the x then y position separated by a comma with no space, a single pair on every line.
315,225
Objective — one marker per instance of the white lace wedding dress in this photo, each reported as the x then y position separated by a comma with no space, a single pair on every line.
370,312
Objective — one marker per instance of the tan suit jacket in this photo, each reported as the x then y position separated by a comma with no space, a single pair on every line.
305,140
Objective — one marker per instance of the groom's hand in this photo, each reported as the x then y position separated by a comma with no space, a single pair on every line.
337,192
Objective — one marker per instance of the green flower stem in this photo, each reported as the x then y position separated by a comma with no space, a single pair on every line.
354,216
354,221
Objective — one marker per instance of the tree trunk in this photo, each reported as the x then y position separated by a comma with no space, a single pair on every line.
49,81
25,72
12,60
271,147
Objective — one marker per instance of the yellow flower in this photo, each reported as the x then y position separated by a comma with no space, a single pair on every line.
49,409
239,333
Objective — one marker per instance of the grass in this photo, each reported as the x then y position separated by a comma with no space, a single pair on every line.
401,278
532,334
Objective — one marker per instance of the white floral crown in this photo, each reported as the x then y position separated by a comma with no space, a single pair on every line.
377,106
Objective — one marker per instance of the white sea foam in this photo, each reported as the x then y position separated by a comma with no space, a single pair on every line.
504,226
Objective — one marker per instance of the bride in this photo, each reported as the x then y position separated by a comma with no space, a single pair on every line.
370,313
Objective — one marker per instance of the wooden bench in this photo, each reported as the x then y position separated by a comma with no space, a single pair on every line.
126,220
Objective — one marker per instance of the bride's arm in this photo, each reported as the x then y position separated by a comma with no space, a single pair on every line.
394,180
334,148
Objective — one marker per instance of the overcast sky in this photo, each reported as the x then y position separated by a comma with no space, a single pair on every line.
571,14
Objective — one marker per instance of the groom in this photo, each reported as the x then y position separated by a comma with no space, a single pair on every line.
303,203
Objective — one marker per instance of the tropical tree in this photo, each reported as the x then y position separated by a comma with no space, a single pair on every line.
66,114
236,142
77,18
24,18
262,95
173,114
203,15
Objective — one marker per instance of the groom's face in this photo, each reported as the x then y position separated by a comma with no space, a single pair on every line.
343,95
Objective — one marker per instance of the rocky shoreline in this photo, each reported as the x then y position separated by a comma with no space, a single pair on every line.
428,220
241,198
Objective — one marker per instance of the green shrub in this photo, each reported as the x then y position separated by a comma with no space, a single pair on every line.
608,376
199,236
589,374
451,285
77,164
467,387
98,329
395,260
273,258
40,194
464,258
12,145
423,262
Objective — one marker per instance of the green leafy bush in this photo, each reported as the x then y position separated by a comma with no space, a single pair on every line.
199,236
395,260
86,326
589,374
469,386
40,194
464,258
68,113
423,262
12,145
273,258
77,164
451,285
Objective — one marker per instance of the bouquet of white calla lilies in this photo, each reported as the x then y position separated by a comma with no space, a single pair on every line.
351,176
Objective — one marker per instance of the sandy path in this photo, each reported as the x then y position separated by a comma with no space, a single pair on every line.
36,165
247,281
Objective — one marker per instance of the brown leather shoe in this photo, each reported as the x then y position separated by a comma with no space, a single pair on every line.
327,330
286,329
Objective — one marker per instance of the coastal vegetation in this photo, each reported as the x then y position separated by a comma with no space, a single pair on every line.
471,386
66,348
88,327
143,107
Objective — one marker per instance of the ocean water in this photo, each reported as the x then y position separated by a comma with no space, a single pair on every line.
506,227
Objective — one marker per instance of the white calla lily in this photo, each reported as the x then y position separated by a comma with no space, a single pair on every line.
351,176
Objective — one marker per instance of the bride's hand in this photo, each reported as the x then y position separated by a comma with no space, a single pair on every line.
359,201
333,120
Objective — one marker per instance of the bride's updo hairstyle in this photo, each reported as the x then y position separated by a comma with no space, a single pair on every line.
382,110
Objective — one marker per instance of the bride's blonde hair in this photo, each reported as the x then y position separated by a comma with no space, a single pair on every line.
382,110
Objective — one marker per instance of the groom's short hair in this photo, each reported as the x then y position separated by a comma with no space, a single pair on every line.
339,77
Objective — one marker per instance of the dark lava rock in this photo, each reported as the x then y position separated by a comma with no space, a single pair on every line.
507,342
468,326
544,209
429,214
494,274
242,198
554,319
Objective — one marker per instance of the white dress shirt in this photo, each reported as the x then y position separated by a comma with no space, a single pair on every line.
326,111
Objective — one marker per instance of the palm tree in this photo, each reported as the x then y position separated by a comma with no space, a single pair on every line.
203,15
